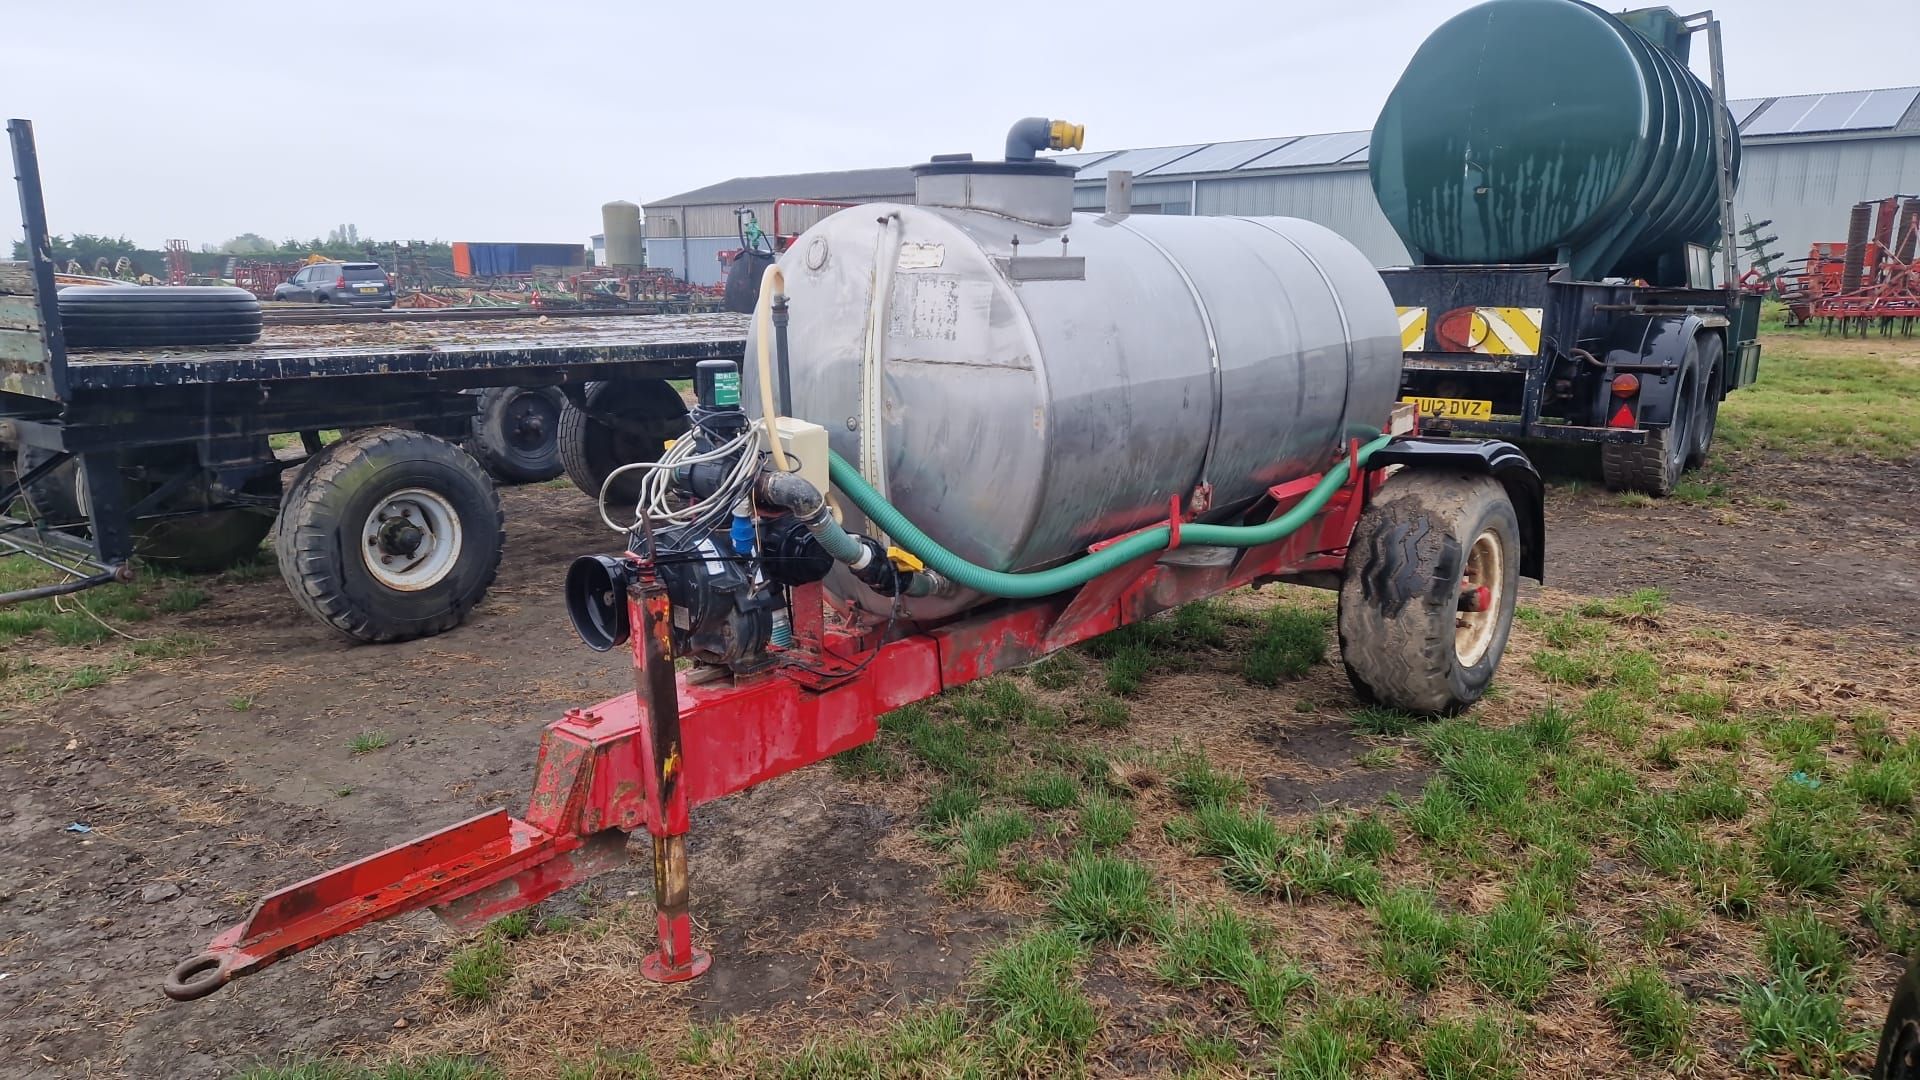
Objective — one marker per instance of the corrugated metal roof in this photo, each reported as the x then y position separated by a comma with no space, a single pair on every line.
852,184
1895,109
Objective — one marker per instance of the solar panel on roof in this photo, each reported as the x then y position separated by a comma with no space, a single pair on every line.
1312,150
1080,160
1783,114
1221,156
1744,108
1137,161
1833,112
1884,108
1855,110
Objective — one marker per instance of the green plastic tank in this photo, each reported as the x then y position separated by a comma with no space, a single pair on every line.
1534,131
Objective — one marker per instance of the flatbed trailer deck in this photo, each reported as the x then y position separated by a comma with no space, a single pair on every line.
388,531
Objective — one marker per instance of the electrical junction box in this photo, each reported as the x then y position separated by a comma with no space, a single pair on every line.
805,445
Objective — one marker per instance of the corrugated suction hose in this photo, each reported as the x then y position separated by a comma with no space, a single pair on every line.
1036,583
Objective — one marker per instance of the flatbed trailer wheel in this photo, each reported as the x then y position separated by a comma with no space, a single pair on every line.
388,535
1433,572
516,433
1899,1056
648,412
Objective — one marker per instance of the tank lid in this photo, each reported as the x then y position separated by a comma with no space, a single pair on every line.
955,164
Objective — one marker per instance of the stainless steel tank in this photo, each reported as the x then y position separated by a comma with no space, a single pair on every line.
1042,380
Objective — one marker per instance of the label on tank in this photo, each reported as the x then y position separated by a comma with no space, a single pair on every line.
726,388
922,256
944,319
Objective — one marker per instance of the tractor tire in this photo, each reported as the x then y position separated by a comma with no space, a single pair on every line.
1654,466
132,316
389,535
1899,1055
1706,416
1423,542
591,450
516,433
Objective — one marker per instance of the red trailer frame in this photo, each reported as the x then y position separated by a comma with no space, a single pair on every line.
645,759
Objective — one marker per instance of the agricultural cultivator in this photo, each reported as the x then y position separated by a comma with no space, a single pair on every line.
987,429
1869,282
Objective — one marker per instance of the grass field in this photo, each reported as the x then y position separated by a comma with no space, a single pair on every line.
1829,396
1663,834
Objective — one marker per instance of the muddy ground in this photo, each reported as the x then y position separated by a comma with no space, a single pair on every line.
204,783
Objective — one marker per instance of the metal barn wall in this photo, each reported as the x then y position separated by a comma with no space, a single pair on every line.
1806,188
691,258
1340,199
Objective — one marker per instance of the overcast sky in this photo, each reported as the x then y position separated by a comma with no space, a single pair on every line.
515,120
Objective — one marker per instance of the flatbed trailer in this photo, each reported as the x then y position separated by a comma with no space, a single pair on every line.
389,531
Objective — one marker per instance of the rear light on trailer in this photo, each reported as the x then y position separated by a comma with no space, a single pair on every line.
1625,385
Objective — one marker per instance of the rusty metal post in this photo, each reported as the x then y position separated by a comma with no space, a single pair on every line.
659,698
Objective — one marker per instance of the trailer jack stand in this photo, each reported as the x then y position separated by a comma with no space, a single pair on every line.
677,959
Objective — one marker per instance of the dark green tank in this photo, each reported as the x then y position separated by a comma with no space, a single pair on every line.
1532,131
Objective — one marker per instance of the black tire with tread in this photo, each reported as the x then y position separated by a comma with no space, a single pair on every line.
590,451
129,316
1899,1054
1706,415
319,531
1399,602
492,443
1654,466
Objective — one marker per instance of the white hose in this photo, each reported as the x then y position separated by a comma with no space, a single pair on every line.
771,282
656,490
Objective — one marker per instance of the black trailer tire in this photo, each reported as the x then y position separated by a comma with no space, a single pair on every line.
591,450
1706,417
1427,537
516,433
419,505
127,316
1899,1054
1654,466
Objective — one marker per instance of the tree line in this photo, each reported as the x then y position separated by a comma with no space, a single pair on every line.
343,243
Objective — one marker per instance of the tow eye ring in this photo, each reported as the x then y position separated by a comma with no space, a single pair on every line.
196,977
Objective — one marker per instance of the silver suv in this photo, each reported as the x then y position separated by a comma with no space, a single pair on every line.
361,284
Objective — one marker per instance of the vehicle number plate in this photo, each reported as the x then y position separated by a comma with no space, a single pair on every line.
369,288
1452,408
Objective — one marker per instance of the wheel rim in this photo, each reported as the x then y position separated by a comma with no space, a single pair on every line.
529,423
411,540
1483,591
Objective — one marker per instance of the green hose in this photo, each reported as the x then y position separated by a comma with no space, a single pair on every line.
1036,583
